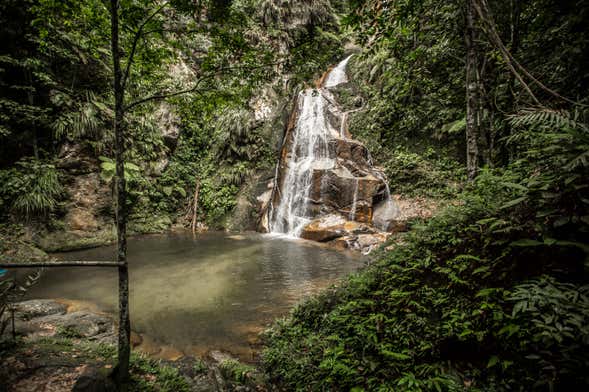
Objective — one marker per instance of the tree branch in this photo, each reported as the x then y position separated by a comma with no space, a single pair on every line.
162,95
138,35
484,14
159,96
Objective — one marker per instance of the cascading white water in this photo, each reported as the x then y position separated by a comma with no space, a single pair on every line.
306,151
342,128
354,200
390,209
338,74
309,151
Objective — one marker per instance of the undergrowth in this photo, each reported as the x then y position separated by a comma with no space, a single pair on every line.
492,294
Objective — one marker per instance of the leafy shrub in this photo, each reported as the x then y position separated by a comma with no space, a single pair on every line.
423,174
30,189
235,370
489,295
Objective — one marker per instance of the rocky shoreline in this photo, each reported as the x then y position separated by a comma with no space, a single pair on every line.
63,342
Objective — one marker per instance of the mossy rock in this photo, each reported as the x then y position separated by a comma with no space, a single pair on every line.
149,224
63,241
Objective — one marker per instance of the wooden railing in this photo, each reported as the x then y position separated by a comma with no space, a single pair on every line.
63,264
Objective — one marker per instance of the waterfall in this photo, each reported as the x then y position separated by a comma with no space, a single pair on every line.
390,209
309,151
310,181
338,74
342,128
354,201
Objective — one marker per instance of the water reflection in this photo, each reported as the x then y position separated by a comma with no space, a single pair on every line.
215,291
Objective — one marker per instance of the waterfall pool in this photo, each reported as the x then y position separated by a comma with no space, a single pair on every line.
212,291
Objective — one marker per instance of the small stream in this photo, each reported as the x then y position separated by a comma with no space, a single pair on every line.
212,291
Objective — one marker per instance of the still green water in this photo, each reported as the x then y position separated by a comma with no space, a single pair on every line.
212,291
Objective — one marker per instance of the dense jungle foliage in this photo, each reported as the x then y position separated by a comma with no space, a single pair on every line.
493,293
56,92
490,294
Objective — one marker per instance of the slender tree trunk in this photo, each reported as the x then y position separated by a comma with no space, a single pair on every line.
513,47
124,348
472,93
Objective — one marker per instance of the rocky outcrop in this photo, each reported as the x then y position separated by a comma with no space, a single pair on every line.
344,234
325,181
41,318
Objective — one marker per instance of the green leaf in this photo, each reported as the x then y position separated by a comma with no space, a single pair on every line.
514,185
526,242
181,191
494,360
563,220
514,202
395,356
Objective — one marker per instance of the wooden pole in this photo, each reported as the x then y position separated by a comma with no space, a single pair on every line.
50,264
13,329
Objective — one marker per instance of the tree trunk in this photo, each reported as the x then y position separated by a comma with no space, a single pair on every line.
513,47
472,93
124,348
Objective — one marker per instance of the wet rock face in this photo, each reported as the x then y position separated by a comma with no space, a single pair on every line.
326,186
343,179
338,191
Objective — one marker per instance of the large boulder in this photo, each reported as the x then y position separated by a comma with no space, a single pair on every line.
333,226
324,229
338,191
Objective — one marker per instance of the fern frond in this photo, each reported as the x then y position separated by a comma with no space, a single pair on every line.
544,118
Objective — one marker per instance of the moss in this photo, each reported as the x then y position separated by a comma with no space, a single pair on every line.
61,241
149,224
15,248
